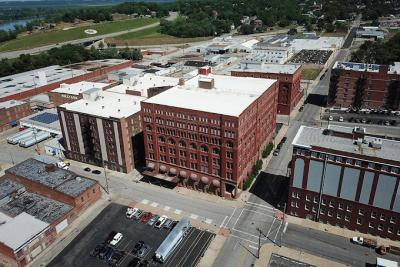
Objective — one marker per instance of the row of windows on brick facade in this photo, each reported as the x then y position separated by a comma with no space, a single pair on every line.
216,169
183,144
348,161
183,116
346,217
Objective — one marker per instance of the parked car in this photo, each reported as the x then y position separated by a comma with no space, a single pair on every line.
367,242
96,171
276,152
137,246
104,252
130,212
145,218
110,255
87,169
96,251
301,108
387,123
137,214
330,118
152,220
143,251
168,223
340,118
116,239
160,221
284,139
110,237
364,121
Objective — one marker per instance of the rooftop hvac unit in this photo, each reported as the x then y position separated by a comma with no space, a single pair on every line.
376,143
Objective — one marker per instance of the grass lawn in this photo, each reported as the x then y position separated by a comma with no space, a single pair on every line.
310,73
57,36
332,34
151,36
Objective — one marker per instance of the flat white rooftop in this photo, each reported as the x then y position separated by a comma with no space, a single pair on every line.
21,82
21,229
320,43
78,88
229,96
107,105
269,68
11,103
310,136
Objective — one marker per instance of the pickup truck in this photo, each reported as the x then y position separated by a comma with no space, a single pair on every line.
367,242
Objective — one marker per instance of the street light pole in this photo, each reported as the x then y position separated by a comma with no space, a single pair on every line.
106,178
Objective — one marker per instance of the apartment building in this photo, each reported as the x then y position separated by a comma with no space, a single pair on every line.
104,129
288,76
345,177
362,85
207,133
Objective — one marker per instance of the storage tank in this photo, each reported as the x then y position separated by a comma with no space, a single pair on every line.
40,136
15,138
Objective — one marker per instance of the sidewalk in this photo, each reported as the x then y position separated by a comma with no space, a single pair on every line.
337,230
267,250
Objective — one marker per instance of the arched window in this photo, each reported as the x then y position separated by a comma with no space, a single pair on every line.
161,139
171,141
182,144
204,148
193,146
216,151
148,128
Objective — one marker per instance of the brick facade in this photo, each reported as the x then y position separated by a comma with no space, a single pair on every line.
204,151
7,115
289,93
364,89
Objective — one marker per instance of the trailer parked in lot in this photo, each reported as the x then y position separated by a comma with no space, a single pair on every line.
15,138
367,242
38,137
172,240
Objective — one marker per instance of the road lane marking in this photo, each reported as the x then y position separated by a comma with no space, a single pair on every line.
253,247
238,218
222,223
177,211
167,208
154,204
230,217
246,233
247,240
264,214
145,201
208,221
260,205
284,228
194,216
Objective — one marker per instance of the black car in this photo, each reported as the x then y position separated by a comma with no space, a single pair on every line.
96,251
138,246
144,263
87,169
134,262
143,251
96,171
301,108
284,139
104,252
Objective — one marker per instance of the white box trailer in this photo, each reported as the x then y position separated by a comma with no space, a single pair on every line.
40,136
15,138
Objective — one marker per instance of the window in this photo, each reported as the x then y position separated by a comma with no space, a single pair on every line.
330,213
314,209
339,216
308,197
193,165
322,211
395,170
323,202
314,154
182,144
347,218
204,148
163,158
371,225
371,165
382,217
385,168
229,144
349,161
359,222
229,155
172,151
82,199
361,212
380,227
341,206
193,146
182,163
331,157
307,207
172,160
204,158
331,204
338,159
392,220
316,199
193,156
349,208
94,190
358,163
373,215
229,175
390,229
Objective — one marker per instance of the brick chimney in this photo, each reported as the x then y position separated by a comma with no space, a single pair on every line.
205,70
181,82
50,168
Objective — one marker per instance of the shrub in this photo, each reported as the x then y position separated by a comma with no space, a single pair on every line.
267,150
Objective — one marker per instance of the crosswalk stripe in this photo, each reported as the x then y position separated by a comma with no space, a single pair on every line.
177,211
209,221
154,204
194,216
145,201
167,208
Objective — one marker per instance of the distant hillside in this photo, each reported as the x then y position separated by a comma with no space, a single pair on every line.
67,3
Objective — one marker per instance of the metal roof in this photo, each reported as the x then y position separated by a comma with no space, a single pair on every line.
17,232
7,187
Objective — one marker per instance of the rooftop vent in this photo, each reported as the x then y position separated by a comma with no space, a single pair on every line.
206,83
50,168
376,143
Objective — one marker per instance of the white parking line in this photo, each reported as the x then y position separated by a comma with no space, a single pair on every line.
243,239
145,201
167,208
194,216
209,221
238,218
177,211
284,228
233,212
246,233
154,204
253,247
264,214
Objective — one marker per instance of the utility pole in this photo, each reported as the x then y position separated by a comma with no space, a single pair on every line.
259,241
321,188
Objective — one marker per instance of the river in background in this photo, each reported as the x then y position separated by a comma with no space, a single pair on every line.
7,26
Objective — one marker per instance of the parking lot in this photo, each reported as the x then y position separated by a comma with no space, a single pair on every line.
113,218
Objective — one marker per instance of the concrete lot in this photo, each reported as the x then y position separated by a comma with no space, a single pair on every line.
113,218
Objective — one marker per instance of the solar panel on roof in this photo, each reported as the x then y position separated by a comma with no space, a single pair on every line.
46,118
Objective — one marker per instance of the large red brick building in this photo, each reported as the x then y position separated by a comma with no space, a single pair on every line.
207,133
288,76
360,85
344,177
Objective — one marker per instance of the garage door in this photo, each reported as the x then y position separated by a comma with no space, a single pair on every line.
61,226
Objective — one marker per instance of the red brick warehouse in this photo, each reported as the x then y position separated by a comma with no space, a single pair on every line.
207,133
288,76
